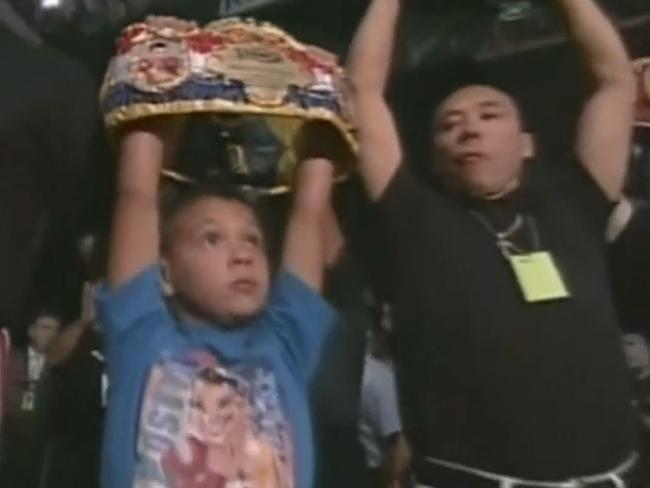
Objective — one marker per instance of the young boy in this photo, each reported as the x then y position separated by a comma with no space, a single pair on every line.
209,362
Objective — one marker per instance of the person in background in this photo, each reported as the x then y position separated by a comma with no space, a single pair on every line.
23,445
637,354
76,387
629,264
388,454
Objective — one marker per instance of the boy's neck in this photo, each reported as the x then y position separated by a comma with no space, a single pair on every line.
197,320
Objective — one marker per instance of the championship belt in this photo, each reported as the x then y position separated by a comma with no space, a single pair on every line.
257,98
642,113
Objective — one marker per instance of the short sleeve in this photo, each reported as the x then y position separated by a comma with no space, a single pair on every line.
410,203
121,308
388,421
403,196
587,197
301,320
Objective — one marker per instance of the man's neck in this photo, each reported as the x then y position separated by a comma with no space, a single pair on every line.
499,194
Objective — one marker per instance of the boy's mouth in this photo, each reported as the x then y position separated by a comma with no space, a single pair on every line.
244,285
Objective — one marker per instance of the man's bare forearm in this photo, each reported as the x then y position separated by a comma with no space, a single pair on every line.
371,54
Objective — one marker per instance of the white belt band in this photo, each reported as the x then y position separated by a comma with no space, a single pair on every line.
614,475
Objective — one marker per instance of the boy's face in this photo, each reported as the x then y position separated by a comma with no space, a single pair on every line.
216,261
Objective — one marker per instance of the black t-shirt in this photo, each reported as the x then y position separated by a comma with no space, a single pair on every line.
538,391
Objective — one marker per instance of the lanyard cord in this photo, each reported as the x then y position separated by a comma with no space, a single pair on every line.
503,238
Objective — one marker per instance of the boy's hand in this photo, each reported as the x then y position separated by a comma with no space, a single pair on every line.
321,140
154,135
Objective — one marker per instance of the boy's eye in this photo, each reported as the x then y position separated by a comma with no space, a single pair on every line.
212,237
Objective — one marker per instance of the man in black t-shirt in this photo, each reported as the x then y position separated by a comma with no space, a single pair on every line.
508,350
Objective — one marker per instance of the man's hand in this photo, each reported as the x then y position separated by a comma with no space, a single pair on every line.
145,147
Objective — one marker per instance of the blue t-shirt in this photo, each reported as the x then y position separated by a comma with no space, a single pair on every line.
196,406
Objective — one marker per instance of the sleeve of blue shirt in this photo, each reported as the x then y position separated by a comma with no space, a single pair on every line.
123,308
301,320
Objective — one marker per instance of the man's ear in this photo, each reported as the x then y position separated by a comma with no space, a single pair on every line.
529,149
165,279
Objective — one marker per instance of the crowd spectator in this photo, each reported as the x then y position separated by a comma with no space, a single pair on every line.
21,458
75,391
388,454
629,237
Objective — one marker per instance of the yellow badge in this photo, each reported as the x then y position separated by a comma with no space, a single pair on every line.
538,277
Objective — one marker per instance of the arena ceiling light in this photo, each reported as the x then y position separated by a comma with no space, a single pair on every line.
53,15
50,4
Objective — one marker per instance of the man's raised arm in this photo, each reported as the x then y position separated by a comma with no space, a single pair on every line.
369,65
604,132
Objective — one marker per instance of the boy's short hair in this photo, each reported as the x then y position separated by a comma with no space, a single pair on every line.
176,197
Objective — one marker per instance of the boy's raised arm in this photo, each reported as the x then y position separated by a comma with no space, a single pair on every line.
134,243
306,242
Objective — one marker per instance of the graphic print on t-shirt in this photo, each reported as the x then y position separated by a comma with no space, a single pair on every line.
203,425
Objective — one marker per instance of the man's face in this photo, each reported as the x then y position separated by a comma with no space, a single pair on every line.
43,331
216,260
479,140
